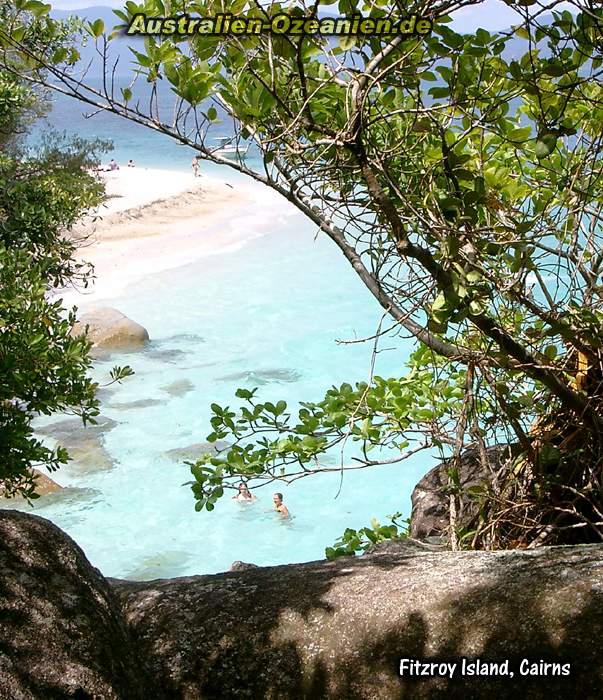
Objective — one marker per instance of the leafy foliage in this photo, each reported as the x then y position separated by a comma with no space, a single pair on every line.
354,541
461,177
43,368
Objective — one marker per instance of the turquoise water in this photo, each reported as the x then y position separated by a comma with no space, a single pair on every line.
267,314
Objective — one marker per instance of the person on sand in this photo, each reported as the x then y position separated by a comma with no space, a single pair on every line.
131,164
244,494
195,166
113,165
280,506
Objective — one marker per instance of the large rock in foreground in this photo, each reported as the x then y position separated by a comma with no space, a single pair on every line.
61,630
318,630
339,629
109,329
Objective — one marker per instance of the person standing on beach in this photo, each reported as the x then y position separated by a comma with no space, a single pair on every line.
195,166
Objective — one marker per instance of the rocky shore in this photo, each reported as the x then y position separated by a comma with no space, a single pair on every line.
317,630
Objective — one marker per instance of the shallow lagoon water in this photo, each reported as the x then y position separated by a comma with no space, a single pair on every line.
266,315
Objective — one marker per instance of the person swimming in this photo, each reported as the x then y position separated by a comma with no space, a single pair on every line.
279,506
244,494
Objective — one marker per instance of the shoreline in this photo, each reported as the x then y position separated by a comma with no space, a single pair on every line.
156,220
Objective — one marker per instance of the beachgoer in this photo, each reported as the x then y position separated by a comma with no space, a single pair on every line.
280,506
195,166
131,164
113,165
244,493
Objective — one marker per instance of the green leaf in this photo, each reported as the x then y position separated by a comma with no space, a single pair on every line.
545,145
520,135
551,351
97,28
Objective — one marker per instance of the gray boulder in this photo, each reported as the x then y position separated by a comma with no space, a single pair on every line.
61,630
430,510
242,566
339,629
317,630
108,329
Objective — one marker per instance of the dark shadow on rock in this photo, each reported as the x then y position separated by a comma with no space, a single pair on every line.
339,629
430,497
316,630
61,630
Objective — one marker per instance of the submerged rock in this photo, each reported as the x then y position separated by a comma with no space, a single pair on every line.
171,350
178,388
109,329
84,443
194,451
263,376
139,403
171,355
155,566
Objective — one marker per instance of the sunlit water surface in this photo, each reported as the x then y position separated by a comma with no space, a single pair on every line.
267,315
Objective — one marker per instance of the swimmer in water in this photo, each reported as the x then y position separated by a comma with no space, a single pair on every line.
244,494
280,506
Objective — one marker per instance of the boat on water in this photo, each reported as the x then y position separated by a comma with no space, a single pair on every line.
228,149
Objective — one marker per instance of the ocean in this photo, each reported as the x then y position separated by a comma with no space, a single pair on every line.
269,314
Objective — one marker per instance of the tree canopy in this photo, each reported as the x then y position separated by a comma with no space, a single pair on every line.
43,193
460,174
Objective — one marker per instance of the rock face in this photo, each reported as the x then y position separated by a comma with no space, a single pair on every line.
430,515
338,629
44,485
242,566
109,329
318,630
61,630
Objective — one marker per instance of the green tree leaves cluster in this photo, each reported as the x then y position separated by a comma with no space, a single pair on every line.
43,369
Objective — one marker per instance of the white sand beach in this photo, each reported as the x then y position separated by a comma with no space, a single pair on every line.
154,220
